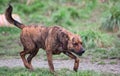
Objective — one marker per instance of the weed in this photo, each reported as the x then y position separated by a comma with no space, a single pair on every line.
112,62
112,22
92,39
101,63
9,30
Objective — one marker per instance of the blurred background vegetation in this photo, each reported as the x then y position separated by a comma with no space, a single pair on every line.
96,21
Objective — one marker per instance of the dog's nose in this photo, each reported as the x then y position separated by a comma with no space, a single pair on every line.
83,51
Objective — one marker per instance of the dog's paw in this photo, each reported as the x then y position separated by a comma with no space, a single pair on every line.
75,69
55,74
31,70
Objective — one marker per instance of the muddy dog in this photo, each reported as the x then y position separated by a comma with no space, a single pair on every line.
54,40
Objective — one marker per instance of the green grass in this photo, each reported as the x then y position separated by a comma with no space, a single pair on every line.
17,71
101,63
111,22
113,62
9,41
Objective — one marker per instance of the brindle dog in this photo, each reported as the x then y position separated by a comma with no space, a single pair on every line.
54,40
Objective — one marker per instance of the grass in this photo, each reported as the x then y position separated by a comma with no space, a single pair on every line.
113,62
101,63
17,71
111,22
9,41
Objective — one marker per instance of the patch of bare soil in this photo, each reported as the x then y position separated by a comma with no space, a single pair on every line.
85,64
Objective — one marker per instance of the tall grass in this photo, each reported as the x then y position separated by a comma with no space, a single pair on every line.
111,22
51,11
96,39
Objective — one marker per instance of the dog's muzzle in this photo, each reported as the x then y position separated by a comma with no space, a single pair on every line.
80,52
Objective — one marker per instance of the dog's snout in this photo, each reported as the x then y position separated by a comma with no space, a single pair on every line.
83,50
80,52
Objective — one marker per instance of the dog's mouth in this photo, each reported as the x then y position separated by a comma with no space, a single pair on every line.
79,53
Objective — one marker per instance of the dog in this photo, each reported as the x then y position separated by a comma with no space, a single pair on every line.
54,40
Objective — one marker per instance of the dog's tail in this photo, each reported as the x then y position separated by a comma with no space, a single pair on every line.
8,15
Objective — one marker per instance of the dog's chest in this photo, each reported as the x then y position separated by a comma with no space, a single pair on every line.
59,49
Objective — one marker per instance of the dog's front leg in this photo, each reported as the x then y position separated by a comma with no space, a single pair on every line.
76,64
50,62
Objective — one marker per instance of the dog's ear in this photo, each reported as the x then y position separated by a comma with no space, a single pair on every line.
63,37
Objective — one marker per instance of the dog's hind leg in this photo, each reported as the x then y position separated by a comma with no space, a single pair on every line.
23,54
29,47
32,54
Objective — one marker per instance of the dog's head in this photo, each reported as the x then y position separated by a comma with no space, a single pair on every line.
72,42
75,44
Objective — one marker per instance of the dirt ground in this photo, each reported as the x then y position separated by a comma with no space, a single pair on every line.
85,64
